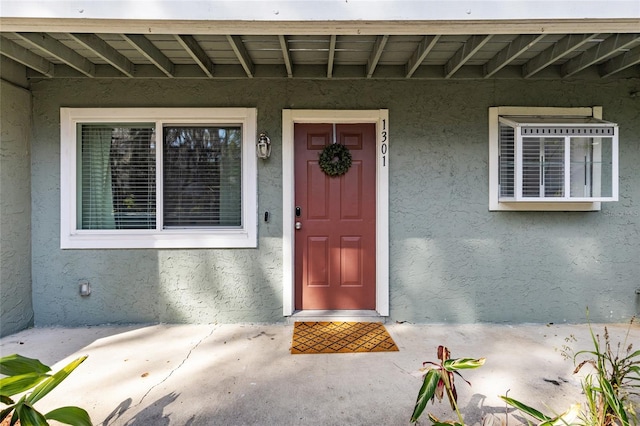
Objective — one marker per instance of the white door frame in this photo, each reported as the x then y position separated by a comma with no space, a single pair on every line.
381,119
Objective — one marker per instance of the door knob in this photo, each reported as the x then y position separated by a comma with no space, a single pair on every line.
298,225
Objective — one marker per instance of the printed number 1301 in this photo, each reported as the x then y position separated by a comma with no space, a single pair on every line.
383,143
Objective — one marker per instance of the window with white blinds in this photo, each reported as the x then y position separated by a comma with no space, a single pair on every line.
202,175
506,161
542,167
117,176
562,156
154,178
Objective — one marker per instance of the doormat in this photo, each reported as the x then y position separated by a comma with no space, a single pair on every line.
340,337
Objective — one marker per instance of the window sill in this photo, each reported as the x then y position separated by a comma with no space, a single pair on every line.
545,206
145,240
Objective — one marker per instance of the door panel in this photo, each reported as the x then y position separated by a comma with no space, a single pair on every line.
335,245
351,263
318,272
317,184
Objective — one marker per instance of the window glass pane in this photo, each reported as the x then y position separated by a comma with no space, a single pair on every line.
543,167
116,176
553,181
202,176
603,167
531,167
506,164
591,167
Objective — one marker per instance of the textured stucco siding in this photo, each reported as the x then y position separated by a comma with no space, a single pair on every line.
451,260
16,312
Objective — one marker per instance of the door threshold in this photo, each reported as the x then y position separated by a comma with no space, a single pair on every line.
336,315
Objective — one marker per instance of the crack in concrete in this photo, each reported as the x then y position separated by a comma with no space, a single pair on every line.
194,347
125,409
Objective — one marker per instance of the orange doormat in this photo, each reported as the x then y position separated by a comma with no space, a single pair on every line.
340,337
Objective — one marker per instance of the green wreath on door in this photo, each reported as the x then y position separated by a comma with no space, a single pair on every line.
335,159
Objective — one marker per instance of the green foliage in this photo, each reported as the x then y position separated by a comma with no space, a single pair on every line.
569,417
439,379
335,159
27,374
526,409
615,378
13,365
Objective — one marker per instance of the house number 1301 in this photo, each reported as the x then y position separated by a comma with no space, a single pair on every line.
383,146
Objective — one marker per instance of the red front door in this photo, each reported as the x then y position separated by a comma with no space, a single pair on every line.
335,245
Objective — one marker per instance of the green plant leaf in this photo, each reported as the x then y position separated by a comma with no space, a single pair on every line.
526,409
437,422
6,400
4,413
633,355
13,365
28,416
634,369
426,393
568,418
50,383
614,402
13,385
463,363
75,416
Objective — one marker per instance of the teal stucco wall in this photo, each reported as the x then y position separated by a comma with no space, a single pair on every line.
16,311
451,260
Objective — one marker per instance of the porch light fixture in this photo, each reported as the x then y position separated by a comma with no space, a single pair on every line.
263,147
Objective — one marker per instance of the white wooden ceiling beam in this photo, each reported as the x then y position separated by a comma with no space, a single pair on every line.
314,11
24,56
151,52
418,57
609,47
376,53
106,52
621,62
517,47
466,52
60,51
624,24
316,72
193,48
563,47
286,54
241,53
332,55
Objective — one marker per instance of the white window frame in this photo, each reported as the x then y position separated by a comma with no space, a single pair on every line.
494,203
73,238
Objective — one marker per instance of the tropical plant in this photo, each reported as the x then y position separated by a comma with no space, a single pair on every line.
439,378
24,374
615,378
570,417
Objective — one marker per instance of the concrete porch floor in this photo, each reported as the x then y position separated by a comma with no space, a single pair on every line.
244,374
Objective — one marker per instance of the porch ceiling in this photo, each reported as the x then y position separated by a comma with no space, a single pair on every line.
393,51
